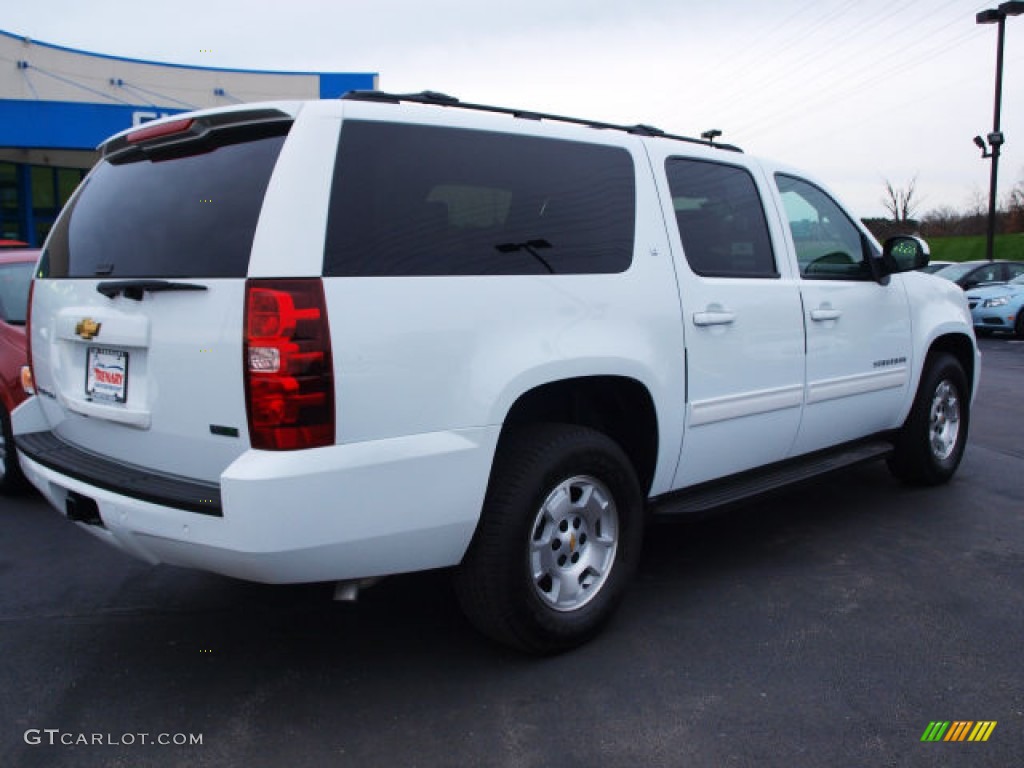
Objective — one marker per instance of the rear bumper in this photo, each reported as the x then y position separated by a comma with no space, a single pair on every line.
342,512
47,449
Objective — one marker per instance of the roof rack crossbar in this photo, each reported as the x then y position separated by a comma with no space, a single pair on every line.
444,100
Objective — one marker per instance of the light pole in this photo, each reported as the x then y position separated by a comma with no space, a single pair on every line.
996,139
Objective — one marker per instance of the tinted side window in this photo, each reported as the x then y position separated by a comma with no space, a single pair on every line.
426,200
828,245
720,218
14,282
192,215
989,273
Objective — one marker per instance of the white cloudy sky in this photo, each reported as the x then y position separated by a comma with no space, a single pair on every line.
852,90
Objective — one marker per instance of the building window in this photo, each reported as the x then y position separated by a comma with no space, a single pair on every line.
10,228
68,180
51,189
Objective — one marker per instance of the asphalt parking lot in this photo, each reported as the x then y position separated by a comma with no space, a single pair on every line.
828,626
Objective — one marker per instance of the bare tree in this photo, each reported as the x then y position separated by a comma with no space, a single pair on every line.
942,222
901,202
976,213
977,202
1015,209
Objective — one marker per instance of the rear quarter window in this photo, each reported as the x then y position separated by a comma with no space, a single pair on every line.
426,200
189,215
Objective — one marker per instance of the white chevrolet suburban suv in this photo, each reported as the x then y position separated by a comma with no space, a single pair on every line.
334,340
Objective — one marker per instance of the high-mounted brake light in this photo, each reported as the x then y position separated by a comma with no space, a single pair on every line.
289,381
157,131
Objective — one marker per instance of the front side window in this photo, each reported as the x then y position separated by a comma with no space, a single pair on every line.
720,218
954,271
990,273
828,245
426,200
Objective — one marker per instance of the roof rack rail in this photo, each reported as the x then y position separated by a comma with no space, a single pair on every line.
444,100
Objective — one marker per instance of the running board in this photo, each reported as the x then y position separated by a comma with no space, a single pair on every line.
720,493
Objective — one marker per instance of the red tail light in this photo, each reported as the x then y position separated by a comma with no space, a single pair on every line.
289,382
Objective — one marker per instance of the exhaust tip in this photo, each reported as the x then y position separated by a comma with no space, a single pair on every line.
82,509
348,591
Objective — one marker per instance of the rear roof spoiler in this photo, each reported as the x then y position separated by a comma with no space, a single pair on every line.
187,128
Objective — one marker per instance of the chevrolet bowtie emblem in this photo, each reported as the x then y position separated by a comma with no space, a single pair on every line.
87,328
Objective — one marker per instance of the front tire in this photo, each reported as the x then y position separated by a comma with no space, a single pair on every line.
558,539
929,447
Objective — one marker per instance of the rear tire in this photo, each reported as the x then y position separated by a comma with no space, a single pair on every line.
11,479
558,539
929,447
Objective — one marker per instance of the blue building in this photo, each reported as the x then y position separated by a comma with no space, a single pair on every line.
57,104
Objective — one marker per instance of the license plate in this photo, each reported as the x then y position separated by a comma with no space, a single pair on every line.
106,375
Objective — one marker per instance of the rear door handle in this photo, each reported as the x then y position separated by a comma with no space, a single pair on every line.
825,313
714,316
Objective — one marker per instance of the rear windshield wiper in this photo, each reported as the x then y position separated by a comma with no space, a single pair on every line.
531,247
136,289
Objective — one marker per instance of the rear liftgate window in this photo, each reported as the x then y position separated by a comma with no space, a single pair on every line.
191,214
424,200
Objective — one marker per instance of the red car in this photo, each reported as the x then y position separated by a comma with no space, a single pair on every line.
16,268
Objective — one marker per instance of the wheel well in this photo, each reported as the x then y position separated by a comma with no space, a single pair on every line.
961,347
617,406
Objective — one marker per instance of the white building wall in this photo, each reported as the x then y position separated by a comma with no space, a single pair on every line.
56,74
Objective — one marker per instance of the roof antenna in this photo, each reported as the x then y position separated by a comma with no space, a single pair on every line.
710,136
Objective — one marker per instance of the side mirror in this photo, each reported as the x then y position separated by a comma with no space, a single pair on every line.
904,253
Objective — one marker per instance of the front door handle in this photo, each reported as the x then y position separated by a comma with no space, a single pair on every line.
714,315
825,313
